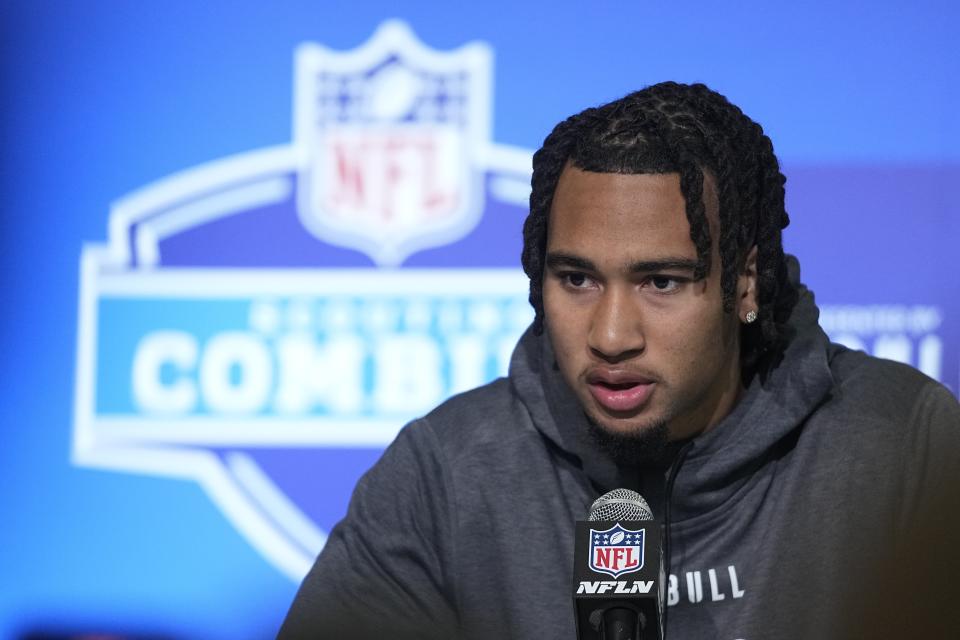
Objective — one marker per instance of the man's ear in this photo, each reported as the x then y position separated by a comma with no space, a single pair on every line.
747,287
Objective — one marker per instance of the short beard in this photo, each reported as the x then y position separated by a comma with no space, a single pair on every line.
643,447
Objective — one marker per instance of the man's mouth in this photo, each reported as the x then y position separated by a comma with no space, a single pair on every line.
619,391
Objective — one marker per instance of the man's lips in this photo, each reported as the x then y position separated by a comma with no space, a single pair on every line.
619,391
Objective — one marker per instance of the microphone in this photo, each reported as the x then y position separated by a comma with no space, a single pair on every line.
617,571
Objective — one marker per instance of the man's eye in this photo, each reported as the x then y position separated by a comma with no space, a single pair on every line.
664,283
576,280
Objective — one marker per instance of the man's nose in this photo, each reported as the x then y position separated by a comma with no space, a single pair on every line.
616,330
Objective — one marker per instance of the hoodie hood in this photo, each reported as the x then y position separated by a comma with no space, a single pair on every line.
557,413
717,463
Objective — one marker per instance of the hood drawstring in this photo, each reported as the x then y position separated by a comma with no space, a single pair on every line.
668,498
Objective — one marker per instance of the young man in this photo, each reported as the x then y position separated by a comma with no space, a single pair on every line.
675,353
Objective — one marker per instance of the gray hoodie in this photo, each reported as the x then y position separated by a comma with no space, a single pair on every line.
776,517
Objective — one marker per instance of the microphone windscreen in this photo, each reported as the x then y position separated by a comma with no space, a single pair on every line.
621,505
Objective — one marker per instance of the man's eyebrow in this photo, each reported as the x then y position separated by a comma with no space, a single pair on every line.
558,260
663,264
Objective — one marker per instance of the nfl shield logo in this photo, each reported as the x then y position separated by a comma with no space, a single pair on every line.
391,137
616,551
253,355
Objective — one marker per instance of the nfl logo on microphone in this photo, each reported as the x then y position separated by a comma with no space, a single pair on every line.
616,551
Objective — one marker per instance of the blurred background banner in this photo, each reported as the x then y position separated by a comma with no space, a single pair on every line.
243,244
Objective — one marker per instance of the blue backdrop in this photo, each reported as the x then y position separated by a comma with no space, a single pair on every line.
165,468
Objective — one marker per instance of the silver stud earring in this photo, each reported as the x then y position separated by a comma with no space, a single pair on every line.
751,317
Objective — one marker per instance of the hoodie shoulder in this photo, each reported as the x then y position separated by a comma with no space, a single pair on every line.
880,381
887,392
487,414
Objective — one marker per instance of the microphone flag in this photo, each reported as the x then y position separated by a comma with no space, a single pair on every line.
617,568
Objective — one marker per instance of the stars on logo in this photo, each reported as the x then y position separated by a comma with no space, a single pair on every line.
600,537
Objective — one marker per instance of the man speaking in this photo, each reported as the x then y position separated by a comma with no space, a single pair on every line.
674,353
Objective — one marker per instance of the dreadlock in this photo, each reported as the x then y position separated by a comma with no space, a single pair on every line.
684,129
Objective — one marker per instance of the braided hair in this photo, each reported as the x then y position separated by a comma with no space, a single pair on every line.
684,129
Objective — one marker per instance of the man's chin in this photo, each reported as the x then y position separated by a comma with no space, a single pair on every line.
630,443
